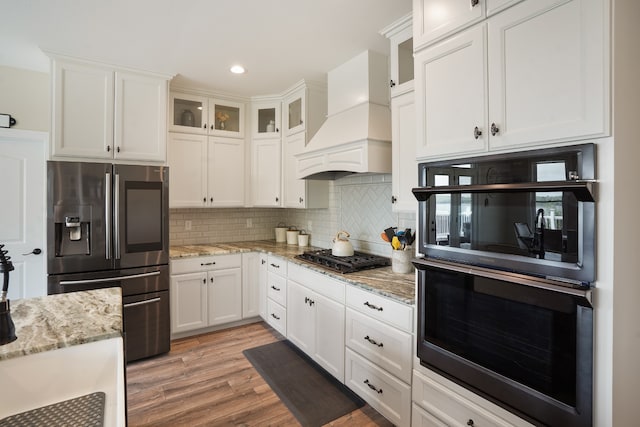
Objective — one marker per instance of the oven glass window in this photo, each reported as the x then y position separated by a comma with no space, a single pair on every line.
525,334
143,216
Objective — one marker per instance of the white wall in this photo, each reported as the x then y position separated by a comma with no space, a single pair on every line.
26,96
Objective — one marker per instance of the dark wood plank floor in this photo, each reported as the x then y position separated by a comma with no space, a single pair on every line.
206,381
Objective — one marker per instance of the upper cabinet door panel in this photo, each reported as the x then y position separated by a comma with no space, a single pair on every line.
188,113
547,72
450,96
83,106
295,112
141,117
435,19
265,119
226,118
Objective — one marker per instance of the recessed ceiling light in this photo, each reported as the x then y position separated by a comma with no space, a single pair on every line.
237,69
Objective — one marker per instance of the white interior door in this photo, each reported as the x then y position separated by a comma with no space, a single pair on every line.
22,211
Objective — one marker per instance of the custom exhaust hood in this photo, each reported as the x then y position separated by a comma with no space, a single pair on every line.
356,137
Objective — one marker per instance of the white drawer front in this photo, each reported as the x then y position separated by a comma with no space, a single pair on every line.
381,308
452,408
277,265
421,418
384,345
205,263
317,282
277,317
277,288
388,395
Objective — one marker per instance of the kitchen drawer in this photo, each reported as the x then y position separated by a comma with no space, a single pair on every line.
205,263
277,317
317,282
381,308
388,347
385,393
421,418
277,288
454,409
277,265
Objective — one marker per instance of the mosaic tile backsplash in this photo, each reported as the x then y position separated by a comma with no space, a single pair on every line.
358,204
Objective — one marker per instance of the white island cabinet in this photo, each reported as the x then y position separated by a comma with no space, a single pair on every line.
69,346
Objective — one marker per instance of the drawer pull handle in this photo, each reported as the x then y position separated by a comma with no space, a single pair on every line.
207,263
373,307
275,265
275,289
372,387
374,342
275,317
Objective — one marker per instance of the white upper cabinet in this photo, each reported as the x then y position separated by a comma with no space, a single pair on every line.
265,119
107,113
533,74
547,73
304,108
434,20
404,175
266,172
400,35
205,171
226,118
199,114
295,107
140,117
450,96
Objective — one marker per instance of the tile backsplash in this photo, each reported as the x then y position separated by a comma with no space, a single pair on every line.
359,204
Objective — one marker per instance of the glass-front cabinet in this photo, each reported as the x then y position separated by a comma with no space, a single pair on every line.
265,118
400,35
199,114
226,118
188,113
295,112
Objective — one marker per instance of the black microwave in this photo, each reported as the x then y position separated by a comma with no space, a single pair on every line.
529,212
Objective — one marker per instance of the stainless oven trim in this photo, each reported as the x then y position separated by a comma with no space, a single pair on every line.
521,279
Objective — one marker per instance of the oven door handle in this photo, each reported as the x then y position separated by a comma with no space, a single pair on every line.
148,301
109,279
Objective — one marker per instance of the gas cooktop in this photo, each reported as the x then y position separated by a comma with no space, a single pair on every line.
344,264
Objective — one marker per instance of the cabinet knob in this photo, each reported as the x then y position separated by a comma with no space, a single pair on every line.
118,149
277,129
204,126
494,129
477,132
393,199
204,199
301,200
212,200
474,3
211,126
392,83
277,199
264,262
204,281
470,422
211,280
108,148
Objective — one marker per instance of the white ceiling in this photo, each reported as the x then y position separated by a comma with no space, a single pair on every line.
278,41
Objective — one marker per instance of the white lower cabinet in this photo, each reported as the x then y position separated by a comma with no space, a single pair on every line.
205,291
436,403
316,317
384,392
276,294
379,353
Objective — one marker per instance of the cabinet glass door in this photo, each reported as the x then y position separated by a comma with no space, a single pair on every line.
295,111
266,120
189,113
226,118
405,61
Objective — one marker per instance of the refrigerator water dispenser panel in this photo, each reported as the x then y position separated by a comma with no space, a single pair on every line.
72,230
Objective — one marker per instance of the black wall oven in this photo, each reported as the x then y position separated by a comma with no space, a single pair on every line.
507,258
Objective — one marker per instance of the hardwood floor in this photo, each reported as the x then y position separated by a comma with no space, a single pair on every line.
206,381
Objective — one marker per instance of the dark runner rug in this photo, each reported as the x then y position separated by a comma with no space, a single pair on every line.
310,393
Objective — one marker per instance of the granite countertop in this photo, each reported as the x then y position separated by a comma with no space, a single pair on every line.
64,320
383,281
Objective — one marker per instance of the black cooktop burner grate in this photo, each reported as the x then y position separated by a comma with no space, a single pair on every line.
344,264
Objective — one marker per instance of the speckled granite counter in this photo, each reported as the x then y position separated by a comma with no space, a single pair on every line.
383,281
56,321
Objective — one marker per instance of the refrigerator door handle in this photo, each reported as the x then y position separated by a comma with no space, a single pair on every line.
109,279
116,214
107,210
148,301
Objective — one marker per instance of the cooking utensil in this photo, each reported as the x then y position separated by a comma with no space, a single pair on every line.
341,245
384,237
390,232
395,243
